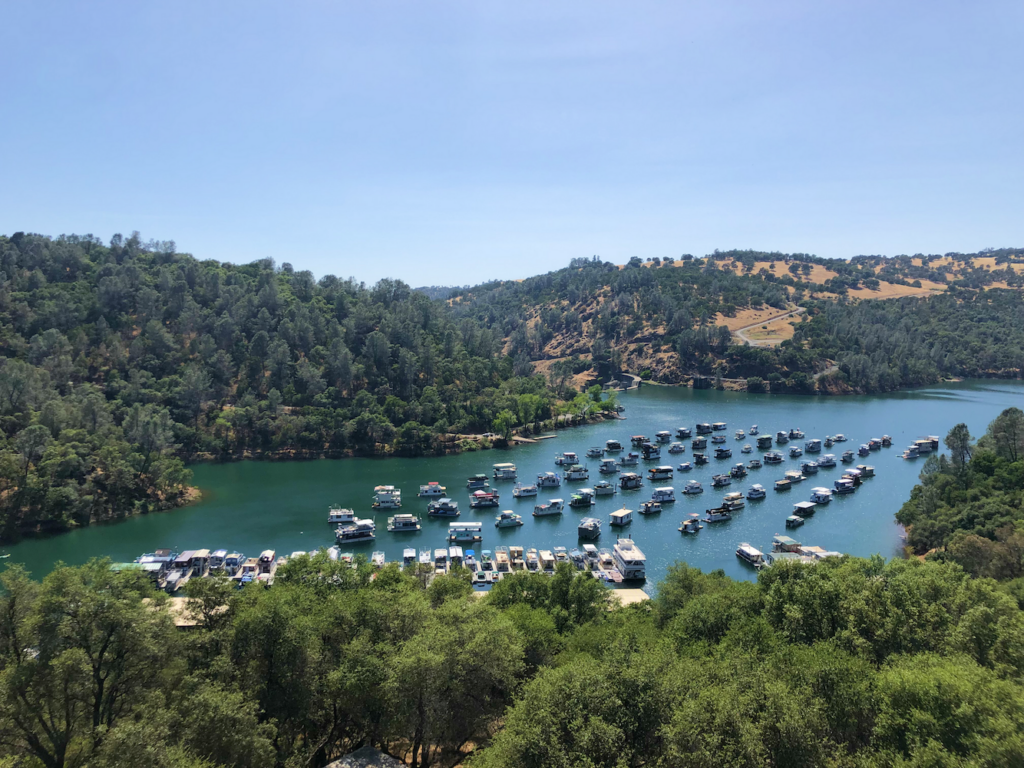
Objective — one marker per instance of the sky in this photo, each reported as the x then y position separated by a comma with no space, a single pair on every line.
448,143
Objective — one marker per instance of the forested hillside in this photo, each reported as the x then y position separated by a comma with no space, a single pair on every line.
120,360
844,663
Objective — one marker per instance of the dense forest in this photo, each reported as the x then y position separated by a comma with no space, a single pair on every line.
847,662
120,361
969,507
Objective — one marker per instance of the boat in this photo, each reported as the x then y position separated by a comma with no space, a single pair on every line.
754,464
821,495
180,571
576,472
445,507
886,441
486,560
567,459
772,457
796,434
717,515
666,494
723,453
829,441
700,459
508,519
650,507
809,467
479,577
793,476
756,491
854,476
804,508
865,470
684,433
840,437
764,442
247,571
604,488
813,446
387,497
684,467
403,523
660,473
865,451
577,559
748,448
432,489
608,467
795,451
548,480
753,430
408,557
676,448
232,562
847,457
477,482
783,485
719,426
751,555
621,517
827,461
505,471
717,439
629,561
720,481
338,516
611,446
733,501
524,491
356,531
440,560
595,453
553,507
631,459
266,566
638,440
739,434
794,521
561,554
875,444
590,555
589,528
911,452
691,524
704,428
843,487
650,451
377,559
738,471
482,499
699,443
584,497
547,560
629,481
693,487
424,558
501,559
463,532
663,437
781,437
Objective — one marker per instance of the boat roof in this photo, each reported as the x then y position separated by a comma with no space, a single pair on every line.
628,545
202,553
220,553
188,554
589,548
665,488
505,465
804,505
821,490
471,526
267,554
785,540
409,552
621,512
455,551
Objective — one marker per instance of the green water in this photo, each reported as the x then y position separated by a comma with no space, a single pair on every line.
251,506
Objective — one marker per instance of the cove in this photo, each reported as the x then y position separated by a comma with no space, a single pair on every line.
251,506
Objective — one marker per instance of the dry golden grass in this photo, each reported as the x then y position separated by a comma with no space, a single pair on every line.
892,291
776,331
745,317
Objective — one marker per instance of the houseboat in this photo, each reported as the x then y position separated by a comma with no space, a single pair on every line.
829,441
577,559
804,508
684,467
739,434
629,560
866,470
756,491
843,487
795,451
676,448
638,440
463,532
751,555
794,521
813,446
631,459
266,567
699,443
821,495
717,515
247,571
747,448
663,437
621,517
338,516
738,471
505,471
477,482
910,453
589,528
604,488
704,428
180,571
693,487
440,560
796,434
781,437
840,437
753,430
408,557
630,481
650,507
377,559
719,426
700,459
595,452
847,457
723,453
548,480
772,457
764,442
608,467
356,531
547,560
793,476
508,519
650,451
483,499
403,523
566,459
432,489
827,461
886,441
387,497
561,554
854,476
684,433
783,485
665,495
864,450
445,507
754,464
612,446
501,559
552,507
691,524
232,562
720,481
576,472
659,473
875,444
524,491
717,439
809,467
584,497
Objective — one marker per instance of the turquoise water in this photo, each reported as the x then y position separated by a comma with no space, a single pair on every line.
251,506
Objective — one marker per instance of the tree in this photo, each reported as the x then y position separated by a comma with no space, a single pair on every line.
959,442
504,423
1006,434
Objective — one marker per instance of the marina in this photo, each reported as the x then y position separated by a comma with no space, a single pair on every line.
250,506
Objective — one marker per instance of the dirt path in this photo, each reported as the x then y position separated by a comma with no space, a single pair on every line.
741,332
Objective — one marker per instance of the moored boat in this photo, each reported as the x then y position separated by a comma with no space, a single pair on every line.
809,467
650,507
356,531
584,497
660,473
847,457
505,471
720,481
524,491
723,453
403,523
750,554
738,471
621,517
821,495
566,459
676,448
754,464
629,481
444,507
693,487
733,501
548,480
795,451
338,516
604,488
432,489
508,519
665,495
608,467
748,448
772,457
827,461
630,562
684,467
691,524
387,497
612,446
589,528
467,531
717,515
552,507
756,491
483,499
576,472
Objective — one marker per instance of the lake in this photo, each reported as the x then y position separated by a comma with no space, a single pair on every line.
250,506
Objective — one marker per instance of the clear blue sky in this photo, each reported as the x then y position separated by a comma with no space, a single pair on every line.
448,142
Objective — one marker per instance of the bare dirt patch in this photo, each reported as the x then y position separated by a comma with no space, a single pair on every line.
745,317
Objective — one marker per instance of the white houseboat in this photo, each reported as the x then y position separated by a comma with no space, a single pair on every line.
703,428
505,471
629,481
548,480
795,451
482,499
432,489
827,461
631,459
684,467
717,515
693,487
756,491
773,457
338,516
753,430
821,495
589,528
477,482
781,437
584,497
665,495
733,501
576,472
663,437
608,467
629,560
356,531
524,491
660,473
566,459
676,448
444,507
508,519
463,532
650,507
553,507
403,523
621,517
720,481
684,433
719,426
387,497
691,524
750,554
813,446
604,488
595,452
